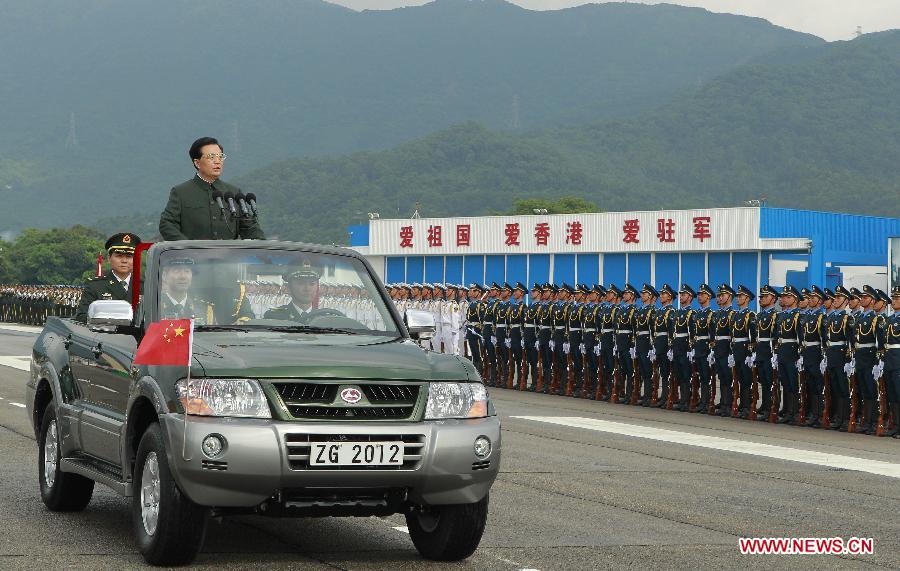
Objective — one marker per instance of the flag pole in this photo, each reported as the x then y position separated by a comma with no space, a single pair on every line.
184,450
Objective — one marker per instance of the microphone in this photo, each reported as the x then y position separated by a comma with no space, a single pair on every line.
217,196
245,210
229,198
251,200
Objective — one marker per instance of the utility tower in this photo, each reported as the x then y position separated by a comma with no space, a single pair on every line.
72,138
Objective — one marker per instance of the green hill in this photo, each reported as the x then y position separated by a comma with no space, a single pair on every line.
820,132
278,79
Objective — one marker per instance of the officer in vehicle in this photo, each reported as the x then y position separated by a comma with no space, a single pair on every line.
193,212
303,285
115,284
176,300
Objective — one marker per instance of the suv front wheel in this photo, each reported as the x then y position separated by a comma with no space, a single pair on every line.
169,528
448,533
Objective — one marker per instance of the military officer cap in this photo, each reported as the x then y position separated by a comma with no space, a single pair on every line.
452,286
804,292
306,271
704,288
632,289
475,285
581,288
494,285
817,291
547,287
842,292
122,243
650,289
536,287
507,287
566,288
725,288
521,287
685,288
439,286
790,290
869,291
555,288
666,288
855,293
742,289
415,285
599,289
828,293
768,290
896,291
884,296
614,289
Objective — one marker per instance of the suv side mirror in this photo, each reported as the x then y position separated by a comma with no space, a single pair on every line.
419,323
105,315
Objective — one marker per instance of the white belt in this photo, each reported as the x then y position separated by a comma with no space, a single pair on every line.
529,326
723,337
499,325
740,339
811,344
642,333
557,327
836,343
702,338
680,335
788,341
623,331
589,330
864,345
661,335
574,328
892,346
761,339
607,330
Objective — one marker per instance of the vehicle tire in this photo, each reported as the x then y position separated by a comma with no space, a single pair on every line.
168,527
60,491
448,533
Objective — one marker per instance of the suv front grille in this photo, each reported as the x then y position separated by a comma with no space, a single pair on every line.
383,401
298,447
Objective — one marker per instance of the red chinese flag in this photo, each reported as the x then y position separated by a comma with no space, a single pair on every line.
168,342
99,264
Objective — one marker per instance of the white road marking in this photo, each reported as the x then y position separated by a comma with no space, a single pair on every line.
21,362
22,328
878,467
20,405
401,528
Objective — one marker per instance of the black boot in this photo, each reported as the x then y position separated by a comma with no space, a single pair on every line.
894,407
867,424
788,413
836,419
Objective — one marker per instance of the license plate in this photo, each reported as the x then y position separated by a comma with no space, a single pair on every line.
356,454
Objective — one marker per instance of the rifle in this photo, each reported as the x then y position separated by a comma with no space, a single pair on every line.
511,365
601,375
854,405
754,386
654,375
540,371
637,379
735,391
673,385
695,387
826,406
524,369
713,381
775,397
570,372
802,382
617,374
882,408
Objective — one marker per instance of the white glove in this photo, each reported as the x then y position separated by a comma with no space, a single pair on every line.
652,355
852,366
824,363
878,370
848,368
597,350
566,347
749,361
670,355
633,353
800,364
493,340
523,343
691,354
774,362
822,366
537,345
731,360
711,359
552,345
583,349
616,348
752,358
508,343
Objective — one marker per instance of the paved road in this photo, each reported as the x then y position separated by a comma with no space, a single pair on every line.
584,485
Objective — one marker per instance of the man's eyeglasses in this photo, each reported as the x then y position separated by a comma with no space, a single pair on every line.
214,156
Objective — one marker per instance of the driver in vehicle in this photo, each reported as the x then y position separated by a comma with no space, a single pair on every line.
303,285
176,301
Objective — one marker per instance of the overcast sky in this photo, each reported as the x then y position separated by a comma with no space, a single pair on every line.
829,19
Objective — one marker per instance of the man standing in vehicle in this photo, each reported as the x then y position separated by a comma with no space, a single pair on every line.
194,212
115,284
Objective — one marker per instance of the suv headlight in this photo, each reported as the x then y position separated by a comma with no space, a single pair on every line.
456,400
223,397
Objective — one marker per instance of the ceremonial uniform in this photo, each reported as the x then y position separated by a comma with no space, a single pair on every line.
663,320
624,345
501,323
516,316
743,339
201,311
682,336
892,366
576,346
812,338
765,327
609,313
474,313
530,336
722,353
545,339
868,342
643,345
703,332
560,342
108,285
840,333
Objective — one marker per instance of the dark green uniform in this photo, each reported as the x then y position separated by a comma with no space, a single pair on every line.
106,286
192,214
286,312
202,312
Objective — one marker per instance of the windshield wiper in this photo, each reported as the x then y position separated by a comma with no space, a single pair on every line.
310,329
221,328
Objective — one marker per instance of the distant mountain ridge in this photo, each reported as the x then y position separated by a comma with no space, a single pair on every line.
101,98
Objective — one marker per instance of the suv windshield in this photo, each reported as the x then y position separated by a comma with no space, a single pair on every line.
282,290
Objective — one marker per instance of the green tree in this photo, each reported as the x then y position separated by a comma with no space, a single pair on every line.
564,205
55,256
